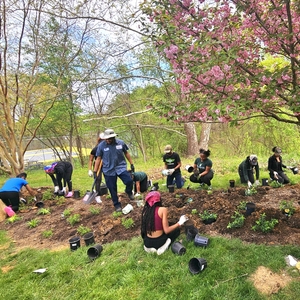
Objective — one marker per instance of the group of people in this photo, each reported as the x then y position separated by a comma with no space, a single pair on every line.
249,166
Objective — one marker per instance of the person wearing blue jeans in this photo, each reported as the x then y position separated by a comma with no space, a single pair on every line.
172,165
113,153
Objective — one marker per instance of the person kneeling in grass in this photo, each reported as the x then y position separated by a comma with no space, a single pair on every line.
155,230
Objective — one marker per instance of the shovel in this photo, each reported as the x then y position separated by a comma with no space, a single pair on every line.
90,196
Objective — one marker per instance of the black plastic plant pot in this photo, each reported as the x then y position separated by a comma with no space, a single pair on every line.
189,168
191,233
39,204
89,238
250,208
94,252
171,188
103,190
295,170
197,265
201,241
74,243
231,183
76,194
265,182
178,248
209,221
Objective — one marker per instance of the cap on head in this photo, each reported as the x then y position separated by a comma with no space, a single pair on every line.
152,198
168,149
109,133
253,159
50,168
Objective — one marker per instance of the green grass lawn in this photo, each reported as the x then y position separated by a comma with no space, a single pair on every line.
125,271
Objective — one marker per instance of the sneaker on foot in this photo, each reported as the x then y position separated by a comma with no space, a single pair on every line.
98,199
69,195
150,250
164,247
131,197
119,209
9,211
137,195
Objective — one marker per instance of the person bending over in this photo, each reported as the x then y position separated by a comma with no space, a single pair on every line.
246,169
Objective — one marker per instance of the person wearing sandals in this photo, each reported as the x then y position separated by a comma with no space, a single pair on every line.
203,172
156,231
275,166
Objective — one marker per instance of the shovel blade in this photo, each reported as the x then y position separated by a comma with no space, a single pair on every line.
89,197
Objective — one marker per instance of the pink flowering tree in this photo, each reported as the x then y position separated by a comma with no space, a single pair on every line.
231,59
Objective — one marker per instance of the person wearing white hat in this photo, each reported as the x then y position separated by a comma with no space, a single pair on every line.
113,152
92,160
246,169
275,166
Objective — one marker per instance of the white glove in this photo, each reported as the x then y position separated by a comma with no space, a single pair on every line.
182,219
275,175
171,171
249,184
289,167
165,172
56,189
34,199
257,182
91,173
64,190
23,200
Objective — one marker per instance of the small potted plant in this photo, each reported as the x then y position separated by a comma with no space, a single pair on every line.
287,207
208,217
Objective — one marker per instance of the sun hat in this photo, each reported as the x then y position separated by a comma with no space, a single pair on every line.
109,133
168,149
101,135
152,198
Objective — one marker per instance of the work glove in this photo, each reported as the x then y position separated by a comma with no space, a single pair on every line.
34,199
165,172
22,200
91,173
275,175
56,189
182,219
196,172
132,168
289,167
257,182
171,171
249,184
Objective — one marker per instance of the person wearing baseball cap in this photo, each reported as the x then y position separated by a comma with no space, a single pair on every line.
156,231
275,166
172,167
246,169
113,152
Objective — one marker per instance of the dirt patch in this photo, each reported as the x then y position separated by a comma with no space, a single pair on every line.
108,228
267,282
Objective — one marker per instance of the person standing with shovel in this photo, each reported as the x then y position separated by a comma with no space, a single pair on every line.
113,152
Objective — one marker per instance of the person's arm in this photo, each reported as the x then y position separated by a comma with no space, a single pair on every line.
97,164
30,190
207,169
54,180
138,187
178,165
271,164
167,229
257,171
245,171
127,155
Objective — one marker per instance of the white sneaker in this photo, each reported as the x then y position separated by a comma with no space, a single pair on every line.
98,199
137,195
164,247
150,250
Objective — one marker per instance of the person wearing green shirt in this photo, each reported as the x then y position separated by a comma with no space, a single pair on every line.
140,182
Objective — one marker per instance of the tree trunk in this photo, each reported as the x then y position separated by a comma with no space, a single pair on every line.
204,136
192,139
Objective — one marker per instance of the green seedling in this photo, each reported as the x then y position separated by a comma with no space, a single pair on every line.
117,214
242,205
287,207
250,191
60,200
264,225
83,230
238,220
73,219
206,215
95,210
33,223
47,195
276,184
194,211
13,219
67,212
127,223
47,233
44,211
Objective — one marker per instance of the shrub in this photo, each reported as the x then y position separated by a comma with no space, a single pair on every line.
95,210
74,219
33,223
127,223
67,212
117,214
83,230
208,215
238,220
47,233
287,207
264,225
44,211
242,205
13,219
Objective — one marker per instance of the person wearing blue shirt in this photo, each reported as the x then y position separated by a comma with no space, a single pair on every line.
113,152
9,193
